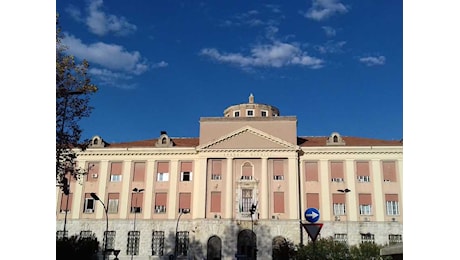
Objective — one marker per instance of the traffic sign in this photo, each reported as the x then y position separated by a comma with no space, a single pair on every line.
313,230
312,215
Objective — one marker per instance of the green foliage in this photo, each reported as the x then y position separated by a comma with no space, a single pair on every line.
365,251
77,247
73,88
325,248
283,249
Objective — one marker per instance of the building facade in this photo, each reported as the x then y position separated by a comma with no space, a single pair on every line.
237,190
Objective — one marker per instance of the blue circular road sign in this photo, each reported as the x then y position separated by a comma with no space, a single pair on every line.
312,215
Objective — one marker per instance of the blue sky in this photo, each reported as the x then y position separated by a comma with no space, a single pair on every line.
161,65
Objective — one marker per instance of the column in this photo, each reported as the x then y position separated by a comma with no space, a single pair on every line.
149,192
101,191
264,191
199,189
125,198
352,208
379,199
293,189
229,195
173,197
325,193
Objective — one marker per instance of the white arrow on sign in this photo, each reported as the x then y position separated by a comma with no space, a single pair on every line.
313,214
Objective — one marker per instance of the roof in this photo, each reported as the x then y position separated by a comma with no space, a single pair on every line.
303,141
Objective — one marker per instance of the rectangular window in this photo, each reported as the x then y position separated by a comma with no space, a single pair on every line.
236,113
66,203
311,171
362,172
341,237
115,171
278,170
162,171
113,203
246,200
158,243
133,243
278,202
250,112
93,171
184,201
88,207
365,204
182,243
136,202
263,113
86,234
338,204
186,169
392,204
60,234
313,200
246,172
160,202
367,238
139,171
110,239
215,201
389,171
216,170
337,172
394,239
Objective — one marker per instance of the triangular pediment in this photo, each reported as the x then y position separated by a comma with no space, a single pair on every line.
248,138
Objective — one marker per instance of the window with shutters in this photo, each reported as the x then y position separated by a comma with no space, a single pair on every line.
158,243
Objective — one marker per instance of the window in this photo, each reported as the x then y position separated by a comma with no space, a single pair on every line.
93,171
236,113
66,203
338,204
362,171
162,176
250,112
216,170
89,204
311,171
182,242
392,204
365,204
133,243
394,239
160,202
312,200
263,113
246,200
337,174
113,203
60,234
110,239
184,202
364,179
158,243
367,238
136,202
115,172
139,171
341,238
246,171
278,170
185,176
86,234
389,171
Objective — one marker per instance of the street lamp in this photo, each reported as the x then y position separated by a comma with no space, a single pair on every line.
135,190
345,191
66,191
95,197
184,211
252,211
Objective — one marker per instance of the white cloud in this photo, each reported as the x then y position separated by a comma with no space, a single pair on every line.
274,55
110,56
329,31
373,61
331,47
322,9
101,23
161,64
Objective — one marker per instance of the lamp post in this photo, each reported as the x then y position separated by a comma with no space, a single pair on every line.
345,191
66,190
184,211
252,211
135,190
95,197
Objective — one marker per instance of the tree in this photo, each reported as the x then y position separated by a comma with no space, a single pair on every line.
324,248
365,251
73,89
77,247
